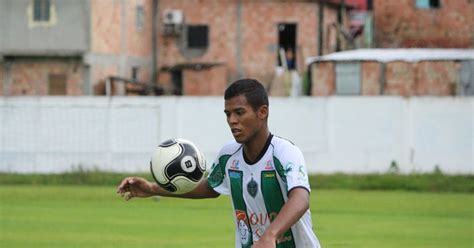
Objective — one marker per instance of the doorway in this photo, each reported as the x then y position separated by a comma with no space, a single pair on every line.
287,42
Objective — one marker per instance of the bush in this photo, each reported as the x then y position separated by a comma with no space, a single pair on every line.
435,182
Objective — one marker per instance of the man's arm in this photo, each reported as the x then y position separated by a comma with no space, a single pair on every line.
131,187
290,213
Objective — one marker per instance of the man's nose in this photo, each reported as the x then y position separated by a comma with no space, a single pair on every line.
232,118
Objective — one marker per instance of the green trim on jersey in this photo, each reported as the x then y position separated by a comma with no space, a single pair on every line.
274,201
236,188
279,168
218,172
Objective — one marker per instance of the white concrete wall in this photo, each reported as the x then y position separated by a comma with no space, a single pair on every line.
336,134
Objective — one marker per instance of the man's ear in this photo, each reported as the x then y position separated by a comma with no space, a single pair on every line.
263,112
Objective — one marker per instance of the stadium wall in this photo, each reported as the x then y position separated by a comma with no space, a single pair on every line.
336,134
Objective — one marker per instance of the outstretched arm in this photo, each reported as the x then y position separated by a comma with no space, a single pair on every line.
290,213
131,187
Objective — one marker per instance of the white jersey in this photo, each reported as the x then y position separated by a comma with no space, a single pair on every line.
259,190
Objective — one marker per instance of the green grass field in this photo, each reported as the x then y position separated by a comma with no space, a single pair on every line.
94,216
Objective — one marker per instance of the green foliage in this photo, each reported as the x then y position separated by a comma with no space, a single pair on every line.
392,180
306,84
434,182
76,177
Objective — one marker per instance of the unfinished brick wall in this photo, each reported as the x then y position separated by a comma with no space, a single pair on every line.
371,76
260,34
32,77
206,81
400,79
117,43
138,41
100,73
438,78
106,19
256,54
402,24
220,16
323,79
329,30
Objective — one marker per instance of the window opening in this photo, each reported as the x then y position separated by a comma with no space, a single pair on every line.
287,42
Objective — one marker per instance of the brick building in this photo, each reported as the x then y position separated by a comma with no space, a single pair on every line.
404,72
216,42
424,23
52,47
444,70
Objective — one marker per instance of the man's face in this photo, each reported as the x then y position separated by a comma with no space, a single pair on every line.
243,121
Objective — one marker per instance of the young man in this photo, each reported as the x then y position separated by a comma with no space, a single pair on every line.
265,176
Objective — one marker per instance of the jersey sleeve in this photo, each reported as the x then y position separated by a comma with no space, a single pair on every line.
294,168
217,178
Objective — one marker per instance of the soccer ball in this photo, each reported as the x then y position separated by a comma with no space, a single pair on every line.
177,166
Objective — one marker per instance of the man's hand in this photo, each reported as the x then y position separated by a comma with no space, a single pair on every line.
265,242
290,213
131,187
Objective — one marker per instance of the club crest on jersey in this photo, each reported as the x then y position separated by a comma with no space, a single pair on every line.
252,188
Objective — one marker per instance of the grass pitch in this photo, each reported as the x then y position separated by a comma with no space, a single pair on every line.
94,216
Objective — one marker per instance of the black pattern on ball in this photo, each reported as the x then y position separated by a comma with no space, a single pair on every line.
168,186
174,169
168,143
177,166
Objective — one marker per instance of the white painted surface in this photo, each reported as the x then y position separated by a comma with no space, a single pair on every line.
396,54
336,134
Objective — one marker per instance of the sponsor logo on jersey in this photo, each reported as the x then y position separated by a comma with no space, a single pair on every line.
288,167
268,165
243,227
260,221
235,164
269,174
262,218
234,174
301,171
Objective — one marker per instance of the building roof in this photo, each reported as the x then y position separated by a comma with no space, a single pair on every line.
400,54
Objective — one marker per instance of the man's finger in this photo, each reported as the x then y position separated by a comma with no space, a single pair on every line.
129,196
122,185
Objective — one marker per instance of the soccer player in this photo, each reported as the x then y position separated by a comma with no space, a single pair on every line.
264,174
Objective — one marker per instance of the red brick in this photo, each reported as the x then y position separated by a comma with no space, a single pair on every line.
206,81
106,19
258,34
401,24
323,79
32,77
371,73
399,79
437,78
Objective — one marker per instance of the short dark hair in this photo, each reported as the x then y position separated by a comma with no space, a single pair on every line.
252,89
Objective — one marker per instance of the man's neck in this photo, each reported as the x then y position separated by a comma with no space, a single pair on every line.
253,149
